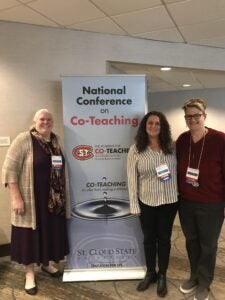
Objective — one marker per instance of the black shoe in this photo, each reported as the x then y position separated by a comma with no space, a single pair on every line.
161,285
56,274
150,277
32,291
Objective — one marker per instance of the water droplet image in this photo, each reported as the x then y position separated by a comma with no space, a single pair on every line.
102,209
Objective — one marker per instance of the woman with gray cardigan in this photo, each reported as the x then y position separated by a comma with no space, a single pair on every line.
34,172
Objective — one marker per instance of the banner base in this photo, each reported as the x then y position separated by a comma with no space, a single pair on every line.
104,274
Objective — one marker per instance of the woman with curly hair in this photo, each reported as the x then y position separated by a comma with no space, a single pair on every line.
152,185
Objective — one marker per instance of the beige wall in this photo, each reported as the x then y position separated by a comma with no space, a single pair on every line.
33,59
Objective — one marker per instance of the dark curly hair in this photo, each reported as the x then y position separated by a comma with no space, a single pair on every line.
165,139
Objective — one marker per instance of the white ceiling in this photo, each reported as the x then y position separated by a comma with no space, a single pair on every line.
199,22
173,80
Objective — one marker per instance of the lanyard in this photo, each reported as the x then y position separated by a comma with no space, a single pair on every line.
200,157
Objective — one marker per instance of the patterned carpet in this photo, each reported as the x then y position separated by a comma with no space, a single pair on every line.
12,286
12,280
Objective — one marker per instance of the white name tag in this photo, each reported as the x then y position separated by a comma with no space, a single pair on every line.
163,172
192,176
57,161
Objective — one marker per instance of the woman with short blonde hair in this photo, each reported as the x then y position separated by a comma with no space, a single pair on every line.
201,185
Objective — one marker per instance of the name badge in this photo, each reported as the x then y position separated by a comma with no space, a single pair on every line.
163,172
192,176
57,161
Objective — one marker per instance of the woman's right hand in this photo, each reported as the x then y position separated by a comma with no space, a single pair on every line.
18,205
17,202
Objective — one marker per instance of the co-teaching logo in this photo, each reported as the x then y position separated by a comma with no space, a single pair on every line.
83,152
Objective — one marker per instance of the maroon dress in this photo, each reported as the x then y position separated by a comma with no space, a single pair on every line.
49,241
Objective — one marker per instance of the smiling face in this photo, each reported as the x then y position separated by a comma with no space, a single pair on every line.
153,126
195,118
44,124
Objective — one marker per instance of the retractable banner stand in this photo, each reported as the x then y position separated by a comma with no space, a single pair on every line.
101,117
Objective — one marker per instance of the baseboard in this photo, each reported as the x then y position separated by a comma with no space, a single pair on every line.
4,250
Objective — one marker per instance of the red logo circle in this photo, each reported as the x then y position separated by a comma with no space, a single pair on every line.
83,152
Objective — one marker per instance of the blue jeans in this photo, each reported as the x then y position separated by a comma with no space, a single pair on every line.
201,224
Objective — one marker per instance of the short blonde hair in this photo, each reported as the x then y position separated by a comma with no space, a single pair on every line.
40,111
195,102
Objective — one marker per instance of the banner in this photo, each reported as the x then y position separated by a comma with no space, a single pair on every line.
101,116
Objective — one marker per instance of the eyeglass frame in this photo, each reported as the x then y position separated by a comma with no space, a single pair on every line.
196,117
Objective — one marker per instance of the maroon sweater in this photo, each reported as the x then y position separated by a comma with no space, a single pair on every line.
212,167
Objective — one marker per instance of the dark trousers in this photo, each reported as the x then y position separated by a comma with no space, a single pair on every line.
201,224
156,224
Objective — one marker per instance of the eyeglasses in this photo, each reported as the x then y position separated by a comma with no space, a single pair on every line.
195,116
